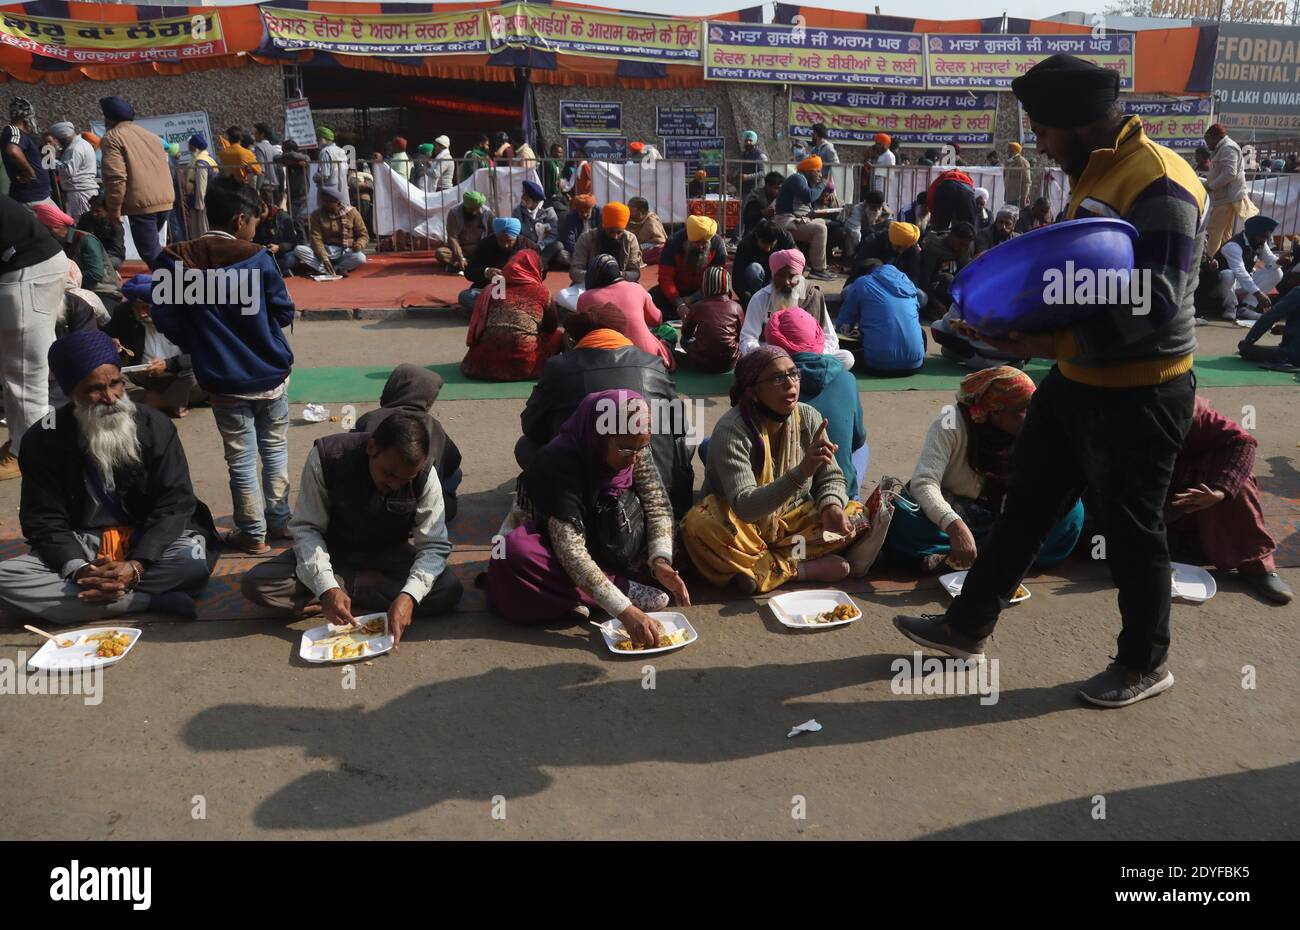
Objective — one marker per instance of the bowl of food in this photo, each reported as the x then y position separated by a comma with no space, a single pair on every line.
1031,283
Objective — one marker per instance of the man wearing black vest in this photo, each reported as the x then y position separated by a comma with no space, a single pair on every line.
365,498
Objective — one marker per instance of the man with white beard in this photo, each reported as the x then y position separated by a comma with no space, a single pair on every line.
106,505
789,288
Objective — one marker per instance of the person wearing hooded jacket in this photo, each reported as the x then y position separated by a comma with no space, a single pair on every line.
412,389
883,307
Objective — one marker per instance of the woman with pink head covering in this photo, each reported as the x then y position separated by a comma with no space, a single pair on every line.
826,386
789,288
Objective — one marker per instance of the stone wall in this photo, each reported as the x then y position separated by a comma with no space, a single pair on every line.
231,96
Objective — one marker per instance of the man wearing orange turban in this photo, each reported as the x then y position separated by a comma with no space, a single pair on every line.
794,204
1016,177
610,238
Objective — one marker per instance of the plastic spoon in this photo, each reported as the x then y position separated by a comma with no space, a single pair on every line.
61,643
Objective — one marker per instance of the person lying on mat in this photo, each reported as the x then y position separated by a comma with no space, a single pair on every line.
468,224
775,504
106,503
412,389
513,329
789,288
1213,510
491,257
369,533
947,510
568,547
604,358
337,235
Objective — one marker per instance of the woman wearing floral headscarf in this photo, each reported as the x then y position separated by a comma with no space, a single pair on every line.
961,476
775,503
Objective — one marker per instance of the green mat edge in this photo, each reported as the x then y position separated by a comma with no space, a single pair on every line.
363,383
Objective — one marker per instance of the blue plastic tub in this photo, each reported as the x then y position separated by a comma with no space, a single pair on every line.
1004,290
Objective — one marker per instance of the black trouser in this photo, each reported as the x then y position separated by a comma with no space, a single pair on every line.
1120,443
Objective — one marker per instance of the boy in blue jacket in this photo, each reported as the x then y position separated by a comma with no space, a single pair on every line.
222,300
882,307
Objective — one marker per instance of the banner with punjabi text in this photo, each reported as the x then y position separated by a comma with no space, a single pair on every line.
778,54
992,62
855,116
588,32
89,42
392,34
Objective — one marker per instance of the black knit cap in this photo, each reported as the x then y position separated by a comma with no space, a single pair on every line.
1066,92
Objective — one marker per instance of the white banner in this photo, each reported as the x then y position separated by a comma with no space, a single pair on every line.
902,183
1278,196
174,127
399,204
662,184
298,123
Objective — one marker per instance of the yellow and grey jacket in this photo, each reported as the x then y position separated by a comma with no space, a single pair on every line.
1156,190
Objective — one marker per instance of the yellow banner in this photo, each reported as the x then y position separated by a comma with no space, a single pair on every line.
778,54
88,42
376,34
604,35
992,62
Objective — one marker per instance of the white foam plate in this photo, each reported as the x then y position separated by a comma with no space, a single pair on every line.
1192,583
612,632
794,608
133,369
953,581
81,654
377,644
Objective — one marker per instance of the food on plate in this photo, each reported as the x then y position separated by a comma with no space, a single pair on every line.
1021,591
374,626
346,648
663,638
111,643
841,613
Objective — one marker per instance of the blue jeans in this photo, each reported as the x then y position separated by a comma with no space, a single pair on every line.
1285,310
249,428
145,228
750,280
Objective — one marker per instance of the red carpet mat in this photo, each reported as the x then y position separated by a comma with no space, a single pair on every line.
391,280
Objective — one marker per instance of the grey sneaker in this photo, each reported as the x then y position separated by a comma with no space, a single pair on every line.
932,630
1271,587
823,275
1120,686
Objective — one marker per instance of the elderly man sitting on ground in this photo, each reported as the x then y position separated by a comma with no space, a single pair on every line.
106,505
338,236
789,288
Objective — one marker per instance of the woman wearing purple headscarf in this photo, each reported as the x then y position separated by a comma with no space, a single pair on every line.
775,502
590,512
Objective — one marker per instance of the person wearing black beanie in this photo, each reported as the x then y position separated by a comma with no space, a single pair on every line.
1111,415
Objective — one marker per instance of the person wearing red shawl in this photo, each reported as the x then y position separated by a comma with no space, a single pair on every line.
590,512
512,335
1213,510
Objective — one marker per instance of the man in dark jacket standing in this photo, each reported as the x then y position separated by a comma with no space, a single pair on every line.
107,505
1112,413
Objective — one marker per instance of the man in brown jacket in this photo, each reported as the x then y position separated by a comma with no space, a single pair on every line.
337,234
1016,177
137,177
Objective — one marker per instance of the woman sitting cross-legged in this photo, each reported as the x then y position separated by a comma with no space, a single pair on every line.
955,494
775,505
511,335
590,512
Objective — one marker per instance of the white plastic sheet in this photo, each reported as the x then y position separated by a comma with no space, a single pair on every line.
400,205
662,184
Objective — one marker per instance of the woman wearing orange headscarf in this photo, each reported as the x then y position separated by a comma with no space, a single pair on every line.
961,476
512,334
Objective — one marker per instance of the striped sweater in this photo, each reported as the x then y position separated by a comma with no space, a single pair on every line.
1156,190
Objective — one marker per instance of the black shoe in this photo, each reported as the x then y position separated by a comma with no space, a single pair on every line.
932,630
1270,586
1120,686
